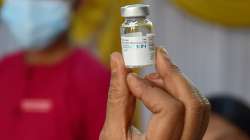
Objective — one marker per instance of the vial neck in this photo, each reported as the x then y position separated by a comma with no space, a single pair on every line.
135,18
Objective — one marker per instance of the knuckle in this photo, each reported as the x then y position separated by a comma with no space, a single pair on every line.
156,108
138,87
115,93
174,108
207,104
207,107
115,97
141,89
114,88
200,102
178,108
198,106
175,68
114,75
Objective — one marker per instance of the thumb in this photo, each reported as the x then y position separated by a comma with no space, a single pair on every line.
121,104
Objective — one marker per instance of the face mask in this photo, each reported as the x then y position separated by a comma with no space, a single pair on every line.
36,23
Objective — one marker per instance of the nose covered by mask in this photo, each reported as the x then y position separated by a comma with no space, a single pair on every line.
36,23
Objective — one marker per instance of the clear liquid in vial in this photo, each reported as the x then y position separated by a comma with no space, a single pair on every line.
139,27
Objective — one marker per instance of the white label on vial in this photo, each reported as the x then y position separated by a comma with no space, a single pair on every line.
138,50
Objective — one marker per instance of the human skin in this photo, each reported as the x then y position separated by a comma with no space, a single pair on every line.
56,51
221,129
179,111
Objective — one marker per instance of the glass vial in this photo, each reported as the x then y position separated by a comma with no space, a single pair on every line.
137,37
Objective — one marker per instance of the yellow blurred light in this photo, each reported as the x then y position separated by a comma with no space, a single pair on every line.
99,20
235,13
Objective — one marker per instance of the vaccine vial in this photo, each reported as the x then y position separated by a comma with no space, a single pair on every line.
137,36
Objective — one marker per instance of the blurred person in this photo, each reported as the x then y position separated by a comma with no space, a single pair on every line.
50,90
6,41
230,119
220,128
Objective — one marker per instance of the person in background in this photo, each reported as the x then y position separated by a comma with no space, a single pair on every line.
230,119
49,90
53,91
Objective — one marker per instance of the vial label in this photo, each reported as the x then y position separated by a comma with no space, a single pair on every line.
138,50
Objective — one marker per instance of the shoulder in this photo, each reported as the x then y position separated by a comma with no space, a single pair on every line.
89,73
84,61
12,60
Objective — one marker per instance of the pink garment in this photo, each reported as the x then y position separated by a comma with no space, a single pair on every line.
66,101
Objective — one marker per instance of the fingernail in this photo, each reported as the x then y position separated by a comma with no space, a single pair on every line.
133,76
113,63
163,51
154,76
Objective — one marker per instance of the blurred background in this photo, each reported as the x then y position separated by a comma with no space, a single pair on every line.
208,39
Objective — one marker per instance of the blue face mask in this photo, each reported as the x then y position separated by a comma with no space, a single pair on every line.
36,23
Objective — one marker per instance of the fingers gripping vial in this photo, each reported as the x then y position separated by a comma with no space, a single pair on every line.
137,37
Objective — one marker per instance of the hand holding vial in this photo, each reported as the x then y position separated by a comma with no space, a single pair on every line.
179,111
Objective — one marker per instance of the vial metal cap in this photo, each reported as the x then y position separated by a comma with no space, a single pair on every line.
135,10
